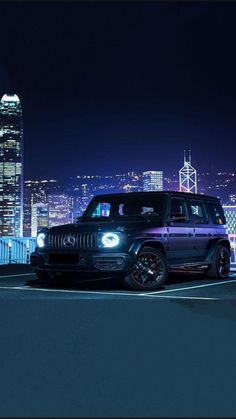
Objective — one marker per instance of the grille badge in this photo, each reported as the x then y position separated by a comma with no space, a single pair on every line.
69,240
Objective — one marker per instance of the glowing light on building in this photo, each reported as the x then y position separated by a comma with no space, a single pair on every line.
59,209
11,166
188,176
153,180
39,217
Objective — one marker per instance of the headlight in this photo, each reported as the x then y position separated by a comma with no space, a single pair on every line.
110,239
41,240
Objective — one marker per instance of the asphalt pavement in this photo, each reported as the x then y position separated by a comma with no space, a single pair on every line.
97,350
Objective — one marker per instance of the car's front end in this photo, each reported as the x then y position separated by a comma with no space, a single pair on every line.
67,249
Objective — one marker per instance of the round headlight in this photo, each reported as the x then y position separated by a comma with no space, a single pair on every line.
110,239
40,239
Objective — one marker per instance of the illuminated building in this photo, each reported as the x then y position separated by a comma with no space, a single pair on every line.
233,198
188,176
230,215
36,191
39,217
153,180
11,166
131,182
59,209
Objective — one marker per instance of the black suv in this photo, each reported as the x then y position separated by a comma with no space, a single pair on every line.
138,237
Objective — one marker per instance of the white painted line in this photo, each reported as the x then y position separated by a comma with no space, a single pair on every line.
190,288
26,288
177,296
12,276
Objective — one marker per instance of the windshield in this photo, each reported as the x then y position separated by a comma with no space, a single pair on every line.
123,207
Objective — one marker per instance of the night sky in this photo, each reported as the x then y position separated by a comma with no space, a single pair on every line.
110,87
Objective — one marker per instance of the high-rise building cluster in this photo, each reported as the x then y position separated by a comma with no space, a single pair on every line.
26,206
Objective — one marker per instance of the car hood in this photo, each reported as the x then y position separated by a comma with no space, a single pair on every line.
103,226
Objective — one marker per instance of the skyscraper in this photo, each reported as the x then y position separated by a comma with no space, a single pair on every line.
11,166
188,176
153,181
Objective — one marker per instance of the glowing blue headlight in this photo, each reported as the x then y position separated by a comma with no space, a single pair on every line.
110,239
40,240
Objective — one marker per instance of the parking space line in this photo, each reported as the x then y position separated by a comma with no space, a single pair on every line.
26,288
181,297
12,276
190,288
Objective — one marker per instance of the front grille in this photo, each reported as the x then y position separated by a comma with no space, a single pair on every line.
71,240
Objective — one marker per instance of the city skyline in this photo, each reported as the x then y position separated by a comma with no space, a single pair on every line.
108,87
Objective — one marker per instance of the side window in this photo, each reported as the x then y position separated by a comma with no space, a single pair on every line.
198,212
178,211
217,213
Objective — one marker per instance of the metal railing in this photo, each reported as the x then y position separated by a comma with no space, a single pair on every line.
16,249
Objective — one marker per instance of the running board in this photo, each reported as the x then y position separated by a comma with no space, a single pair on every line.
194,265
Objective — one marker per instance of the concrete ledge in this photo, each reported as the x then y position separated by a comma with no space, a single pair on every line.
16,268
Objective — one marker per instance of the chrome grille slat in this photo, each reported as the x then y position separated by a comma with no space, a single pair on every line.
82,240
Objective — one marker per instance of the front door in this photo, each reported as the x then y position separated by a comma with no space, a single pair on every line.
203,231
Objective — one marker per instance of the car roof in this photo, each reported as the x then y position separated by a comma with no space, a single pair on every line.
170,193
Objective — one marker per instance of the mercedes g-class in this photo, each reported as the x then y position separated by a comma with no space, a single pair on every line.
138,237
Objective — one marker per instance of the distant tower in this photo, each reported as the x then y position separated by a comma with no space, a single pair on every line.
11,166
188,176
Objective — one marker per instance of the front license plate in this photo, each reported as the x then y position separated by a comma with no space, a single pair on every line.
63,258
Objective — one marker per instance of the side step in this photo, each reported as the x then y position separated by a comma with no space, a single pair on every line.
188,266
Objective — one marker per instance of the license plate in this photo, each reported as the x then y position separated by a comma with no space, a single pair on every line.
63,258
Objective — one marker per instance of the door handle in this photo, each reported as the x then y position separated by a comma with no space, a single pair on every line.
190,234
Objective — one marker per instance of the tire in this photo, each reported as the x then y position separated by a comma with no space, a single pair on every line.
45,278
150,271
220,267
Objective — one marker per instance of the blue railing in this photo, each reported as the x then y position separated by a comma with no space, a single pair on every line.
16,249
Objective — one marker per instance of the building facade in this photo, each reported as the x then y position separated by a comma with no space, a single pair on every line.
11,166
59,209
152,181
39,217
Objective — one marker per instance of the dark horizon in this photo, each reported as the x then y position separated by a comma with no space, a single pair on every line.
109,88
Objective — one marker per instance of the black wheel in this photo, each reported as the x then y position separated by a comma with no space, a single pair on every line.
150,271
220,263
42,275
45,277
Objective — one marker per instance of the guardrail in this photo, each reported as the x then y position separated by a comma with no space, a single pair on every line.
18,249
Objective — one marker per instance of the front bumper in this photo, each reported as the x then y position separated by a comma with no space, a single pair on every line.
84,262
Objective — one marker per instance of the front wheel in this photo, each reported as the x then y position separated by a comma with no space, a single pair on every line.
220,267
150,271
